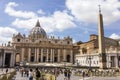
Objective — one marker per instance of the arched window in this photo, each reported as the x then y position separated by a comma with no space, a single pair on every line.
84,50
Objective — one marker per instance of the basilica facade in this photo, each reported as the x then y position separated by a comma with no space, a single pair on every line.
37,47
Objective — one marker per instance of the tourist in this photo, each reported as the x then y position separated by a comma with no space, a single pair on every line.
83,74
65,74
27,73
22,72
38,74
31,74
68,74
6,70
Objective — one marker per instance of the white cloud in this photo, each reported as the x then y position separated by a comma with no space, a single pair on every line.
114,36
22,14
74,41
87,10
41,12
86,32
58,21
25,24
6,34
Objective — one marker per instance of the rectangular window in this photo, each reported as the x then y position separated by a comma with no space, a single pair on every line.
44,50
33,50
18,40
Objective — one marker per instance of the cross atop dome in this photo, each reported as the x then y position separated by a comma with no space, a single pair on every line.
99,8
37,24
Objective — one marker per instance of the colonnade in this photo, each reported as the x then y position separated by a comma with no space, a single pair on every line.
46,55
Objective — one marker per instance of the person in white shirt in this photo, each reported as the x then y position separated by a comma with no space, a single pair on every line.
31,74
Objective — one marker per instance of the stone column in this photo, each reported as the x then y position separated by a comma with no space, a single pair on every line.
41,54
108,64
58,55
37,54
0,61
51,59
29,54
47,55
64,54
12,60
116,61
22,54
4,59
71,56
53,55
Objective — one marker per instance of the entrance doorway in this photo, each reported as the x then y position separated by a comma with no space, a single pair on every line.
7,59
68,58
32,59
112,61
55,59
44,59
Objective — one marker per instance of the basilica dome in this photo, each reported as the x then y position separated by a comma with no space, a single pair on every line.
37,32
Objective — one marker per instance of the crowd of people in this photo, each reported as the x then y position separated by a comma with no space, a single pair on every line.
30,73
67,74
37,72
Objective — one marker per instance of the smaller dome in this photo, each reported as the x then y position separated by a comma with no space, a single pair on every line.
38,31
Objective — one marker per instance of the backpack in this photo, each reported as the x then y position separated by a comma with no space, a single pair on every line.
38,74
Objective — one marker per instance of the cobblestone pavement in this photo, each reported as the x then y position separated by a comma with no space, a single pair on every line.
104,78
18,76
61,77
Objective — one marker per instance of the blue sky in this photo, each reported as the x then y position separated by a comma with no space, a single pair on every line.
74,18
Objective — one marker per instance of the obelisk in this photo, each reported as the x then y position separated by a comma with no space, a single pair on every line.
101,41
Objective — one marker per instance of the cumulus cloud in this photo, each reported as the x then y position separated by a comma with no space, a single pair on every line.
6,34
25,24
74,41
22,14
41,12
115,36
58,21
87,10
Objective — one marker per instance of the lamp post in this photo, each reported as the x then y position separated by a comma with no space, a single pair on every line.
89,58
64,64
77,63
